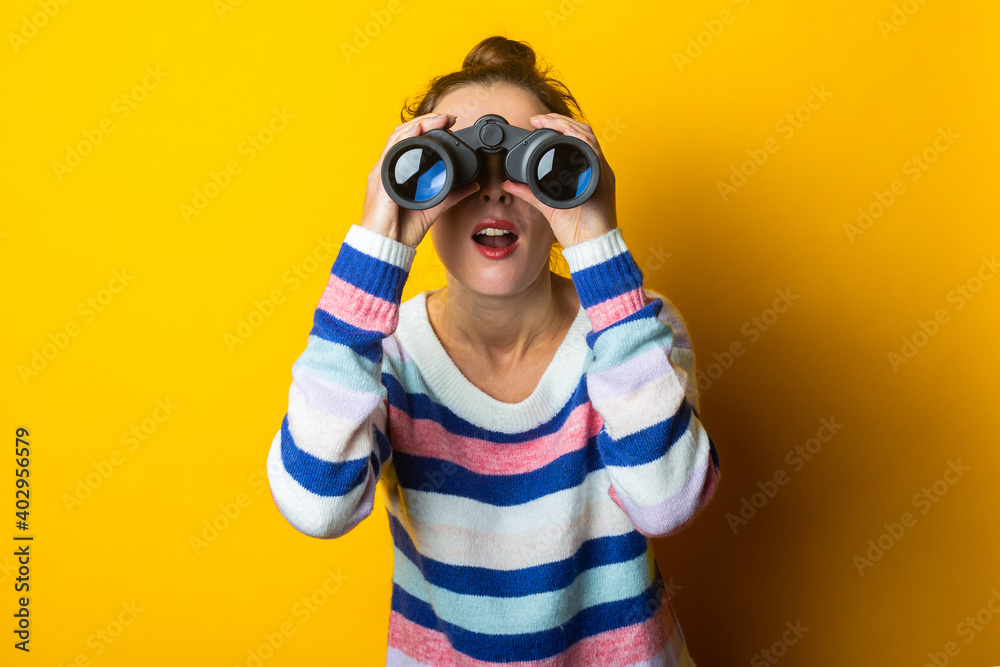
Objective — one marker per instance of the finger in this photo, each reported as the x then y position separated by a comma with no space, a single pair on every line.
570,128
413,128
556,120
403,127
416,127
430,122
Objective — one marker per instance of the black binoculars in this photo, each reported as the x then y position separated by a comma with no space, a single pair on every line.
419,172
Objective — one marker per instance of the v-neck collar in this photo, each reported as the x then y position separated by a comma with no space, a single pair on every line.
453,390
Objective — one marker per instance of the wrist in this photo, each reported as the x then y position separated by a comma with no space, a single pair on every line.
592,234
382,246
382,230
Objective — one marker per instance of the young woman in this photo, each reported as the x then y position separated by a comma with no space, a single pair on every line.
531,432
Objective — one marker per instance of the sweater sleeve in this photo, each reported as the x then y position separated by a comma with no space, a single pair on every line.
325,460
662,463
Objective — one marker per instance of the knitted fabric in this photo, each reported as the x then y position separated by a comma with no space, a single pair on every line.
522,530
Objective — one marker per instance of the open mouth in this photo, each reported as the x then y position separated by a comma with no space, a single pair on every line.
495,240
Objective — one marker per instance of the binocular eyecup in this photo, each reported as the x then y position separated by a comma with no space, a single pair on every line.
419,172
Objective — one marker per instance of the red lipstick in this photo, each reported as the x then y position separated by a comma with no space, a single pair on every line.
491,252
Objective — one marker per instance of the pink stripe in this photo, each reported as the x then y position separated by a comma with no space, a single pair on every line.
358,308
426,437
608,312
618,501
615,648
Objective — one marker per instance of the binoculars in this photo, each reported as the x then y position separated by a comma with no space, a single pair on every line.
419,172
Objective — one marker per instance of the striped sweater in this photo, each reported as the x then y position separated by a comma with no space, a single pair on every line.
521,531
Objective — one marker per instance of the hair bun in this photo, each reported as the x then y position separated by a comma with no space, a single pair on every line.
498,50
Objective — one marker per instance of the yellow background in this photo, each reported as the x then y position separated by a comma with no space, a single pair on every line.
681,128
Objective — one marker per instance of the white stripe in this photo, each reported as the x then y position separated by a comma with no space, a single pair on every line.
461,531
396,658
316,516
328,436
650,404
528,613
583,255
445,384
652,483
381,246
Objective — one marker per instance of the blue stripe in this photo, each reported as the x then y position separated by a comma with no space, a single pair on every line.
382,444
421,406
711,444
553,576
371,274
566,472
533,645
324,478
366,343
648,444
380,452
612,277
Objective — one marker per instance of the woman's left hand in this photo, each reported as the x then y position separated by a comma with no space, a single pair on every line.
594,217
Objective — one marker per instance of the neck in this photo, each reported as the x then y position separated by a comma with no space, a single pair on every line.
503,330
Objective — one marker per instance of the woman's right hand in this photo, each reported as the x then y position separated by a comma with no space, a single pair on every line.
381,214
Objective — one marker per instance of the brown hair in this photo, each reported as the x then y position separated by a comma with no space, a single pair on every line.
498,60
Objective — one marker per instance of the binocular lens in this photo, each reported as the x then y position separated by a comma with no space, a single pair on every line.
563,172
418,174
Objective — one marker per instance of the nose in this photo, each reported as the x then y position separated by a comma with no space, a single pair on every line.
491,175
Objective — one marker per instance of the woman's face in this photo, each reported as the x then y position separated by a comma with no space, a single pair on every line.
452,232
